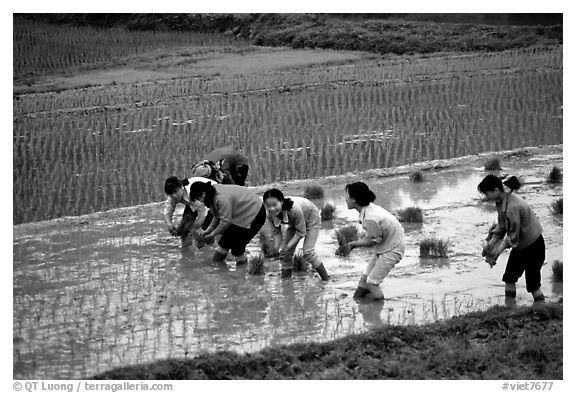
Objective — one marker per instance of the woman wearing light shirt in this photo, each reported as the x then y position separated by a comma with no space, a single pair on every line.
178,192
384,236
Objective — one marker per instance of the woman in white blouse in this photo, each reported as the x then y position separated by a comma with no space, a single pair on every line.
384,235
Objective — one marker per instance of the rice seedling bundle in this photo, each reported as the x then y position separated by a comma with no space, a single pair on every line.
299,264
555,175
557,270
345,235
431,247
328,212
558,206
410,214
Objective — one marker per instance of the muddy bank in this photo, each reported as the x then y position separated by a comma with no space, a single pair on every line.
500,343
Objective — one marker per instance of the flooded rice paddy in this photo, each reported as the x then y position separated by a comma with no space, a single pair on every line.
96,292
89,150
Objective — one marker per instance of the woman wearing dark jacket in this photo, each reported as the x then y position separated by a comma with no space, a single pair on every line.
517,228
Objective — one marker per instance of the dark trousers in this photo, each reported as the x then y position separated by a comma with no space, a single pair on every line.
529,261
236,238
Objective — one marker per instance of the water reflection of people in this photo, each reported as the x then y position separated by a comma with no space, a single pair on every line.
238,214
384,235
371,313
302,218
517,228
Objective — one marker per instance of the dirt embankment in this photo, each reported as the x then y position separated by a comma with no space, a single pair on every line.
501,343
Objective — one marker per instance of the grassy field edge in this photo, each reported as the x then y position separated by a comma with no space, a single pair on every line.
500,343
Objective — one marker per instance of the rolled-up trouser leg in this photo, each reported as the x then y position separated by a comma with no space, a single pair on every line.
381,265
311,258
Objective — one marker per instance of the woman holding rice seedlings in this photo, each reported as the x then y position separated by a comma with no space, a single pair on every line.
384,235
178,191
517,228
302,218
238,214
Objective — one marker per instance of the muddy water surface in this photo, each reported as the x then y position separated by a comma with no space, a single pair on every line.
97,292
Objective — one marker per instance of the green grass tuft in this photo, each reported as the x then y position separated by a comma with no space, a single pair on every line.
417,176
300,264
557,268
328,212
256,264
314,192
431,247
266,244
555,175
410,214
558,206
492,164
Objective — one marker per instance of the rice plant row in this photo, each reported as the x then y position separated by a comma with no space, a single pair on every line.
69,165
365,73
42,49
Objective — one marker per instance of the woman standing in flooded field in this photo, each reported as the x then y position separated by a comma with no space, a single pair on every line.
384,236
519,229
238,214
302,218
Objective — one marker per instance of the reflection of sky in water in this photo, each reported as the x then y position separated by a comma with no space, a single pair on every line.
122,291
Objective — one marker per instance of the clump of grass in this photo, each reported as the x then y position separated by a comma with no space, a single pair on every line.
431,247
555,175
417,176
557,270
300,264
256,264
410,214
267,244
558,206
345,235
314,192
328,212
492,164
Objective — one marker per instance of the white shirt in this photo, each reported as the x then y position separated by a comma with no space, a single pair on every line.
171,203
383,227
